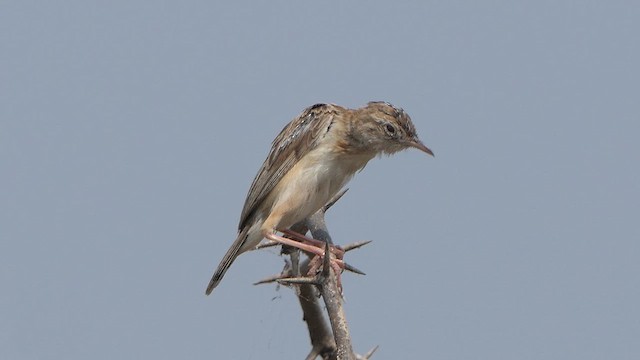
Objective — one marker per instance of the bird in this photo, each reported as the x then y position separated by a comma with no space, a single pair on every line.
310,161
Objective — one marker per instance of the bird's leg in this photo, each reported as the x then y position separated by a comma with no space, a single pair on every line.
336,263
335,249
316,262
314,266
301,245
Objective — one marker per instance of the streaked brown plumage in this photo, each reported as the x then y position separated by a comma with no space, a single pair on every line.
311,159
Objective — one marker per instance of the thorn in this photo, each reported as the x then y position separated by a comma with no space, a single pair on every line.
326,263
353,269
334,200
313,354
267,244
370,353
356,245
298,280
271,279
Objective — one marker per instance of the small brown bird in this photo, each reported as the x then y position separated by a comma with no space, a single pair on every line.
311,159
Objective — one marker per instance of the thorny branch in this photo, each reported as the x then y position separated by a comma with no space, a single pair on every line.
330,343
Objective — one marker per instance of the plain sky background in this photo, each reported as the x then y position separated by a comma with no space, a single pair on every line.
130,132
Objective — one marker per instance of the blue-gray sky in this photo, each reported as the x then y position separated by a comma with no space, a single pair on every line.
130,132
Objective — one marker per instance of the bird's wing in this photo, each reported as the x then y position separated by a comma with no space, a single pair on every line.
299,137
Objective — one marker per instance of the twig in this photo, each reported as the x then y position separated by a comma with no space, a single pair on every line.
333,301
334,343
322,342
329,289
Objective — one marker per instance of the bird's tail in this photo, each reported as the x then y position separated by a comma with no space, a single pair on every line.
227,260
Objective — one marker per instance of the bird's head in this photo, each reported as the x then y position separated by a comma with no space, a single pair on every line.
385,129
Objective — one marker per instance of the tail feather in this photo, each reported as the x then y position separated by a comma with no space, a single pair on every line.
227,260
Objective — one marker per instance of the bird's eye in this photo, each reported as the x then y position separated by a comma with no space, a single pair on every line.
390,129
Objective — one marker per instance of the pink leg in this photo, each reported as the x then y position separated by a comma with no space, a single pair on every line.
302,246
336,250
317,248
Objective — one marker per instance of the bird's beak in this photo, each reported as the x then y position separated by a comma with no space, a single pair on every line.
420,146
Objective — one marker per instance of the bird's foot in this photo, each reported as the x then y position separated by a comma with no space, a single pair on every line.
317,244
317,248
316,265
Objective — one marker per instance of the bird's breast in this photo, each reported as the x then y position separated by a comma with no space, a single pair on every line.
311,183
